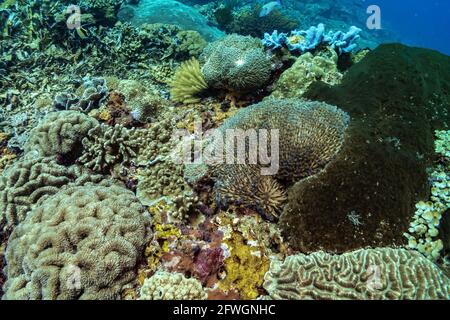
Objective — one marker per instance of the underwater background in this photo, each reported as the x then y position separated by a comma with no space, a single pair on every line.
224,149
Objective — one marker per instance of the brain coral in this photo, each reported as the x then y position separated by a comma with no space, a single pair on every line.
82,243
236,63
60,133
310,135
28,181
382,273
172,286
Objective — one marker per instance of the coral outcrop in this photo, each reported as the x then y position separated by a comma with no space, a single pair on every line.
310,134
170,12
60,133
172,286
382,273
423,233
82,243
308,68
236,63
395,104
30,180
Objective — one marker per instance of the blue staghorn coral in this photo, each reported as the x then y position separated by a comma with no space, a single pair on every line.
308,40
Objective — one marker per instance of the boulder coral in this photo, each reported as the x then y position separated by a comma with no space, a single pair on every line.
397,97
30,180
60,133
382,273
236,63
82,243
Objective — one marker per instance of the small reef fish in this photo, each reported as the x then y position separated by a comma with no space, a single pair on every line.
268,8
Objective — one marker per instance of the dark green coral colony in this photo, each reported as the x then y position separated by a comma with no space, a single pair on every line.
396,97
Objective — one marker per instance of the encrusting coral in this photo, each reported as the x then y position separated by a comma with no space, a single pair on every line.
82,243
307,69
60,133
381,273
188,82
423,233
236,63
32,179
172,286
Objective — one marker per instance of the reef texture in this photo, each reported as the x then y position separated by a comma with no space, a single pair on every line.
170,12
310,136
172,286
60,133
82,243
105,146
30,180
236,63
308,68
382,273
396,97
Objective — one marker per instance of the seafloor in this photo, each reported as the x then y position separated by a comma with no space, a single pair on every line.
96,204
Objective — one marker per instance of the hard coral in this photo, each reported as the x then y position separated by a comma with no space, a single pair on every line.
172,286
188,82
82,243
382,273
380,172
236,63
105,147
310,136
30,180
60,133
308,68
247,21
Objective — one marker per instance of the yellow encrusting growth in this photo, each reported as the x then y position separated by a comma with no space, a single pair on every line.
188,81
245,267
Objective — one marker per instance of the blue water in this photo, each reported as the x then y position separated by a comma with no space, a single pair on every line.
422,23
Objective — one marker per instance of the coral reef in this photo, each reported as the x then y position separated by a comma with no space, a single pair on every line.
423,233
188,82
311,39
92,93
82,243
245,267
310,135
170,12
247,21
308,68
237,63
380,171
171,286
30,180
382,273
104,147
60,133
